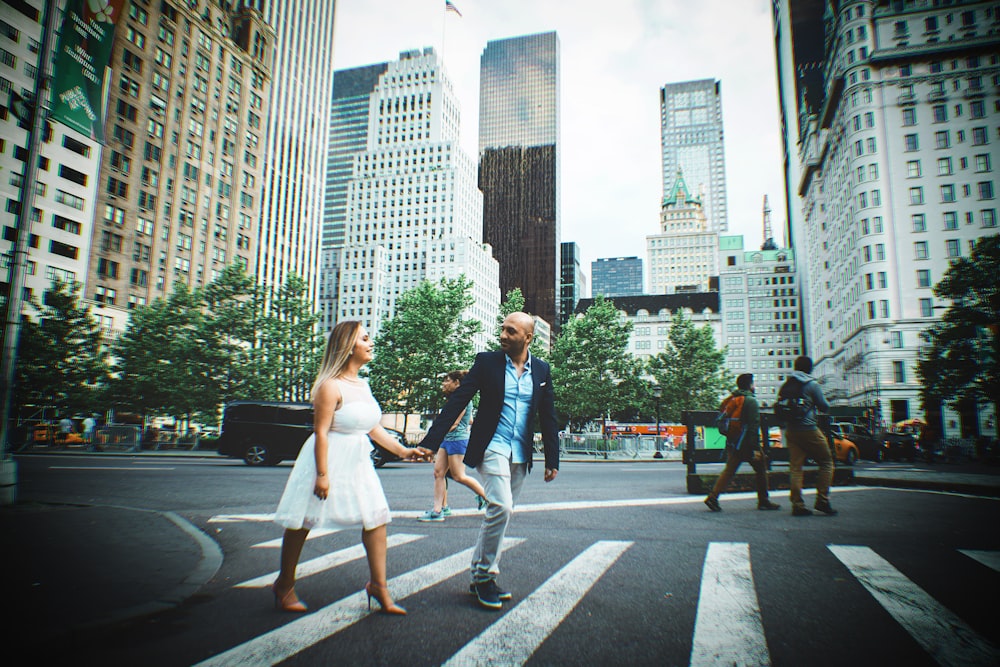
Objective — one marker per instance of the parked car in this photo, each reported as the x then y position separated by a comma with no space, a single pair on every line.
899,446
869,447
269,432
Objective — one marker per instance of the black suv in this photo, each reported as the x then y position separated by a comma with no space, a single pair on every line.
269,432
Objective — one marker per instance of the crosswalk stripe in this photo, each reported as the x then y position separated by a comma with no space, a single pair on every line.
513,638
313,534
990,559
728,629
289,639
328,561
940,632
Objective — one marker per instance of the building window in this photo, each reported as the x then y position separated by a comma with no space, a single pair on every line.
985,189
979,136
916,195
920,250
940,113
913,169
909,116
947,193
989,217
926,307
911,143
950,220
923,278
942,139
944,166
983,163
898,372
953,248
919,222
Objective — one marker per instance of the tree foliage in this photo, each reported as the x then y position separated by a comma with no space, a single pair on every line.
426,337
292,344
61,361
690,371
589,364
961,360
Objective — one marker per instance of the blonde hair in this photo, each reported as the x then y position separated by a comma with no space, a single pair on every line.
339,347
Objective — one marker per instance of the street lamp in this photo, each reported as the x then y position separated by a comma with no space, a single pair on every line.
657,395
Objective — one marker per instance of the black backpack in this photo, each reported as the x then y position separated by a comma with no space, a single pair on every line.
792,405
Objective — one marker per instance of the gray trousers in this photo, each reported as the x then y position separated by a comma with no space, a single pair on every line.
502,481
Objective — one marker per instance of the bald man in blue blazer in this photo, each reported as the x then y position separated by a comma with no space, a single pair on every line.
513,388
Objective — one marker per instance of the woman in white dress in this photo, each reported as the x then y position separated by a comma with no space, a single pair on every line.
333,483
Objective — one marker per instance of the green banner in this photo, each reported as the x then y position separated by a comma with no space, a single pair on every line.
84,51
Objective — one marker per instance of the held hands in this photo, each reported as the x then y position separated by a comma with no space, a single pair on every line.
418,454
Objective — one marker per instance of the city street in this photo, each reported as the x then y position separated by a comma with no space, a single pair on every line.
611,564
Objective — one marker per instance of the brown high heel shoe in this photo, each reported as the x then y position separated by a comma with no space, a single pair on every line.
287,601
381,593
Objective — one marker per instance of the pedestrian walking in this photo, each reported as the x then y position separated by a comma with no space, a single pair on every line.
89,428
333,483
803,437
742,444
513,388
448,458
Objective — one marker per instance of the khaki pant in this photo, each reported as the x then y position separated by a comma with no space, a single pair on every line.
809,444
759,465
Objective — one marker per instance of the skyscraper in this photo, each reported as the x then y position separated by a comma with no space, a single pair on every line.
62,218
683,256
573,281
896,148
692,141
413,210
519,166
352,91
178,194
296,141
616,276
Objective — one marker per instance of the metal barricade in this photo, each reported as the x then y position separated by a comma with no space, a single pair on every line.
118,437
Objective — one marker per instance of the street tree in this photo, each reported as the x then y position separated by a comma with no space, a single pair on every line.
690,371
61,358
960,364
162,363
291,339
232,322
426,337
590,362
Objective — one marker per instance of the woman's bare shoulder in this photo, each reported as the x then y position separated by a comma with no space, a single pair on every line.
328,391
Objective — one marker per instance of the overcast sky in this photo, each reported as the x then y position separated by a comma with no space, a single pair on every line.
615,56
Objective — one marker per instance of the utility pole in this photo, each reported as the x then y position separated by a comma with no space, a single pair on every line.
19,262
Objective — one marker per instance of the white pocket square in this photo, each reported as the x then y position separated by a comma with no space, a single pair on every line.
543,384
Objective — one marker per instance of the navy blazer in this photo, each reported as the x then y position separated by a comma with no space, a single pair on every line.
487,376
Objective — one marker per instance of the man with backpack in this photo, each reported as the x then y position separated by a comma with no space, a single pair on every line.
740,418
799,399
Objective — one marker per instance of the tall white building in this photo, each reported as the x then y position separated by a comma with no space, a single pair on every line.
413,210
692,140
62,222
760,298
683,256
296,140
897,152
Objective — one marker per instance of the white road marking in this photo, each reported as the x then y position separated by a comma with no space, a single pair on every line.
990,559
941,633
313,534
289,639
234,518
518,633
728,629
328,561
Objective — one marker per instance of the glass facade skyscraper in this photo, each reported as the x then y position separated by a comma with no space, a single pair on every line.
691,135
573,282
519,166
616,276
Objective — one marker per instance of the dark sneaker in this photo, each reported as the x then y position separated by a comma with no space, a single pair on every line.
825,508
801,511
502,594
488,594
768,505
713,504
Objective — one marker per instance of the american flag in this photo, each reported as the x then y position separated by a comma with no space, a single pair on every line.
448,7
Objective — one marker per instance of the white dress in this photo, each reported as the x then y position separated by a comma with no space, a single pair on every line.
356,496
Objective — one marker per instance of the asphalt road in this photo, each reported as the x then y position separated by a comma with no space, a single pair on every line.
610,564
